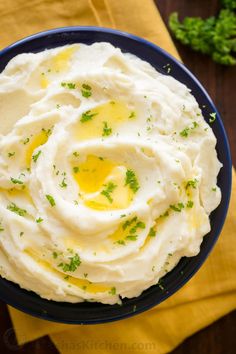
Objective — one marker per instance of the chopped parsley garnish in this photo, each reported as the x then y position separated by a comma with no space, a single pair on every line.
63,184
76,169
177,207
165,214
1,228
189,204
86,116
15,209
110,187
16,181
21,233
132,115
112,291
213,117
76,154
54,254
106,131
36,156
129,222
26,141
73,265
131,237
85,275
120,242
69,85
47,132
152,232
39,220
213,189
10,154
51,200
191,183
86,90
185,132
131,180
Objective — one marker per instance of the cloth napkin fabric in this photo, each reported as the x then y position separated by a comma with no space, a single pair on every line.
211,293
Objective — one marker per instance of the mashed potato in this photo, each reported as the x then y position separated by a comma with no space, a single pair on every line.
108,173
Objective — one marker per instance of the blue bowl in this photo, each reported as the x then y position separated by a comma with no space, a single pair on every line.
90,313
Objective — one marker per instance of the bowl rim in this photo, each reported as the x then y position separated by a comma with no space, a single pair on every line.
179,64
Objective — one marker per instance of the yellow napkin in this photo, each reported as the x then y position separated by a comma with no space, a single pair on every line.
212,292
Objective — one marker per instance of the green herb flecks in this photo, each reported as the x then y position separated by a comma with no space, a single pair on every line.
69,85
185,132
152,232
50,200
36,156
213,117
63,183
16,181
87,116
86,91
11,154
189,204
132,181
17,210
191,183
177,207
39,220
112,291
76,169
132,115
110,187
72,265
106,130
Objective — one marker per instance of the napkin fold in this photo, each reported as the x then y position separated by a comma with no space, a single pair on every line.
211,293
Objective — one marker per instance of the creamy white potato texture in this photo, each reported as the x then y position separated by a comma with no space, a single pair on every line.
108,173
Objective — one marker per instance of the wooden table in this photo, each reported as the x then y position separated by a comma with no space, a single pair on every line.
220,337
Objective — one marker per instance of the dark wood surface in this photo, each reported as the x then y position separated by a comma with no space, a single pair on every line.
220,337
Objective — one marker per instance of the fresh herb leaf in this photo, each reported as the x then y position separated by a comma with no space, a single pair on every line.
214,36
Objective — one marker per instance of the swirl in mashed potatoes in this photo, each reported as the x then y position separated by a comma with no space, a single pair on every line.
108,173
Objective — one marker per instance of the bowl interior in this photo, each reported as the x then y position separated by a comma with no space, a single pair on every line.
94,312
